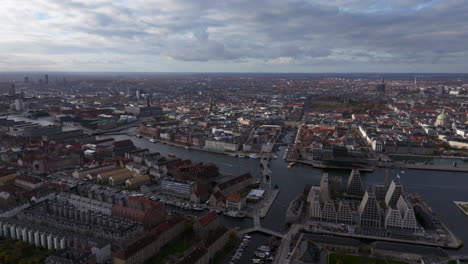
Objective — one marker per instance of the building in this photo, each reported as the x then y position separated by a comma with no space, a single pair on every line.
53,238
28,182
145,111
442,119
71,256
206,249
85,203
395,190
354,186
7,175
104,175
233,184
234,202
329,211
380,88
315,208
206,224
19,106
178,188
324,188
148,213
121,178
392,218
142,249
369,211
344,214
407,214
137,181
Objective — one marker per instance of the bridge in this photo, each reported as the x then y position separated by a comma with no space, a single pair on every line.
258,228
266,172
261,230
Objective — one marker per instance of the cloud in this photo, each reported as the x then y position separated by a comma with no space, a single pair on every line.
187,35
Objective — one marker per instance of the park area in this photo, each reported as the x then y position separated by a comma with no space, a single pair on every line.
19,252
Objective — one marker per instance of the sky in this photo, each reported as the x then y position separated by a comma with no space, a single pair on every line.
234,35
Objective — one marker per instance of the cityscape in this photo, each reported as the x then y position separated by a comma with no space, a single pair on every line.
233,132
199,168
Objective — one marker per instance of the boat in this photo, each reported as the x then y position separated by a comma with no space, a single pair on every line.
291,164
153,140
260,254
253,156
264,248
187,147
241,156
172,155
464,158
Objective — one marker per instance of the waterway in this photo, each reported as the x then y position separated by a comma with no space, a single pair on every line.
438,188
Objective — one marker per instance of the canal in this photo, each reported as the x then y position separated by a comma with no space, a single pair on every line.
438,188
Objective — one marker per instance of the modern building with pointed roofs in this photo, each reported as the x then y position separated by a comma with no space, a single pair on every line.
354,186
369,211
395,190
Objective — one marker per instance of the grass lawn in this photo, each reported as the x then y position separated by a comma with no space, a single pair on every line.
347,259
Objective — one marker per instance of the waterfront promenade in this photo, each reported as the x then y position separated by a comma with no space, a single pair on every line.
460,167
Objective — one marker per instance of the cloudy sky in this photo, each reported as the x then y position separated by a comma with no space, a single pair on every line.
234,35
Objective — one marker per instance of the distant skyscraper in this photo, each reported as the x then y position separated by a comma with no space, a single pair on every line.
441,90
381,86
19,105
26,79
12,91
354,186
47,79
138,94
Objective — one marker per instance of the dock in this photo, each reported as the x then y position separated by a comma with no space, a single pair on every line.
269,202
462,205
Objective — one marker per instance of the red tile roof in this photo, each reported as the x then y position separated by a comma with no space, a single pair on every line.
234,181
122,143
234,196
210,217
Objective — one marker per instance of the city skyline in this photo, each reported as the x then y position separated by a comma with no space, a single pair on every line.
241,36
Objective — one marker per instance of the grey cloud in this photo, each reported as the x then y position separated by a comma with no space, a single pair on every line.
305,31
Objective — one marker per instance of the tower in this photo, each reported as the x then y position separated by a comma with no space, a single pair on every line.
441,119
46,79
